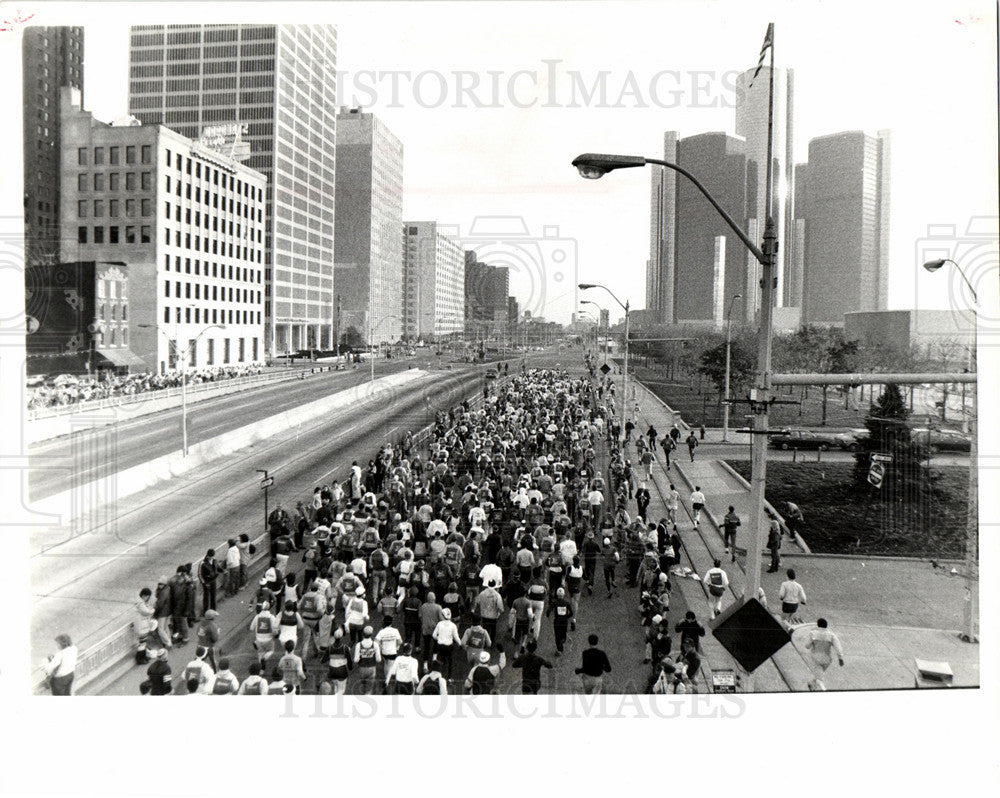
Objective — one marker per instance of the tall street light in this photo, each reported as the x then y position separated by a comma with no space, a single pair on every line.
593,166
971,614
729,340
184,359
584,287
600,313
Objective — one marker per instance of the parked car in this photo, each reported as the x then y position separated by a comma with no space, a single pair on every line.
802,439
851,440
941,440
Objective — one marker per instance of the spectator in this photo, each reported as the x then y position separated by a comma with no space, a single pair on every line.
60,667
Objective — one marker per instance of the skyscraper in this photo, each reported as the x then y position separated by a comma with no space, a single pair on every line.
434,276
275,85
844,210
368,270
51,57
751,124
695,261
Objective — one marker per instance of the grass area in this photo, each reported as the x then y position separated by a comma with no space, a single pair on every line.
840,518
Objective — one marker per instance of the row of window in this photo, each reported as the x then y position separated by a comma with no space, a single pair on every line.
114,154
242,273
112,311
184,291
203,221
210,346
217,178
184,190
97,207
86,181
188,315
201,244
116,336
116,234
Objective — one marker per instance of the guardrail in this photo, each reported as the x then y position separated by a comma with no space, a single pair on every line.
55,411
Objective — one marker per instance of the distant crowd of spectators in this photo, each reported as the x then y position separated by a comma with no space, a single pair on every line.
70,390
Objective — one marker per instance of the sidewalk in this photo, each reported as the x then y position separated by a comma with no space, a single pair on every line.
886,611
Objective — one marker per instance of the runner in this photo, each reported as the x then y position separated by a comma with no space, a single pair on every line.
717,581
821,645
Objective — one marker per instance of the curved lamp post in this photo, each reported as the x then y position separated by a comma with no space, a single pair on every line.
624,306
729,338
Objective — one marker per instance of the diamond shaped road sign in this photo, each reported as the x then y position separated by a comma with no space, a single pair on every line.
605,368
750,633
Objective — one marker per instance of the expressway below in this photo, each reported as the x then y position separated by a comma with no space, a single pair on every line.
85,579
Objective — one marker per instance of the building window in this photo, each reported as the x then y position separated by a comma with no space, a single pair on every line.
242,349
98,181
130,154
130,207
147,181
113,234
98,208
113,208
177,289
98,156
187,290
81,235
166,315
81,156
166,236
225,349
129,181
197,315
167,207
187,315
129,235
145,234
210,361
98,235
81,181
168,164
81,209
113,181
147,207
147,153
197,290
114,155
187,265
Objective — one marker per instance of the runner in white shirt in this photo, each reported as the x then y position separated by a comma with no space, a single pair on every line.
403,674
491,573
673,502
697,503
822,643
792,594
717,581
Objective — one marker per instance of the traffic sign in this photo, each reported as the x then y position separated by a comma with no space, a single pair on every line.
876,474
882,458
605,368
266,483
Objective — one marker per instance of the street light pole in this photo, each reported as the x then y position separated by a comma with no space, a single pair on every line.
971,611
729,338
625,307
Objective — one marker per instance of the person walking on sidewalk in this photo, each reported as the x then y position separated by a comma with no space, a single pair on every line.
729,524
822,643
692,442
792,594
697,503
774,543
717,581
611,559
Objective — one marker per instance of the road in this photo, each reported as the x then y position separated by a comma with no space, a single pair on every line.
139,439
85,581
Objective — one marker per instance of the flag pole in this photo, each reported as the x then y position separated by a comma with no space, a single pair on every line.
760,396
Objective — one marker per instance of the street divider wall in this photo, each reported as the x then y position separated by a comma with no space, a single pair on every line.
90,497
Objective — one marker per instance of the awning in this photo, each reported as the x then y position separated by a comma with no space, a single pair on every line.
121,357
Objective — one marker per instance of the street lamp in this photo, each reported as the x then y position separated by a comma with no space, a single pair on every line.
729,338
593,166
588,302
972,509
184,356
584,287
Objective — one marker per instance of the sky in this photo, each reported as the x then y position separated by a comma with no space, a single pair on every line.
493,100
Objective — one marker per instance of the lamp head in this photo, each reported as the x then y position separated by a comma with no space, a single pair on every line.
585,286
595,165
934,265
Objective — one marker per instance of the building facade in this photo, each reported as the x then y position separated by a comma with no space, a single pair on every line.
434,278
662,235
51,58
189,225
368,271
843,207
486,292
277,83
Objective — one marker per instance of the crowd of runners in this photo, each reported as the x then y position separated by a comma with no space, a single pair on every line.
434,567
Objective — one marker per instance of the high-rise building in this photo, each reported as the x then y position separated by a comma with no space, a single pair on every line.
697,263
434,277
486,290
752,125
188,226
275,86
368,269
843,206
662,235
51,58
